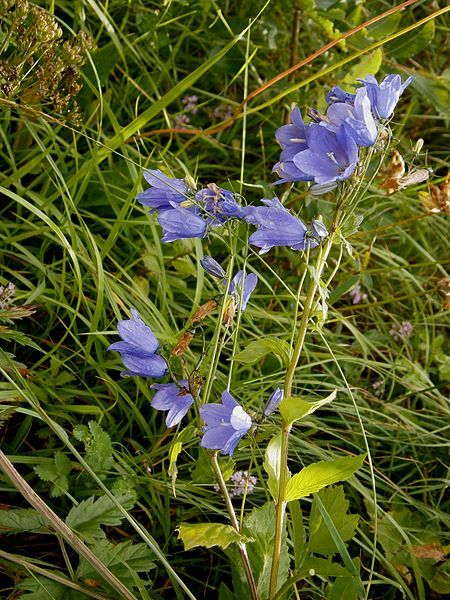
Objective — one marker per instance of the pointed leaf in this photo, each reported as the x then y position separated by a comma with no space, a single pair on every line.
272,462
208,535
313,478
22,519
260,348
86,518
295,409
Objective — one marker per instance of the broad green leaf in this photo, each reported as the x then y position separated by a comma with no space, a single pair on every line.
208,535
22,519
369,63
409,45
123,559
295,409
55,471
314,477
43,588
335,503
435,89
343,587
385,27
324,567
259,348
259,525
272,464
88,517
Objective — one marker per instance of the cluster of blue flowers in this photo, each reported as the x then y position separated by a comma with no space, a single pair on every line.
327,150
323,152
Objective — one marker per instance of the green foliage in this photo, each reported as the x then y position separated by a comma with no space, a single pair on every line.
16,520
314,477
97,445
272,464
56,472
208,535
256,350
89,515
320,539
295,409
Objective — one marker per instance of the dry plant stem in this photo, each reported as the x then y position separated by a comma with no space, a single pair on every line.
280,507
60,527
235,524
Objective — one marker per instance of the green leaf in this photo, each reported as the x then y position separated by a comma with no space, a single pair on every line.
314,477
369,63
86,518
435,89
343,587
385,27
272,461
295,409
260,526
344,287
21,519
97,445
55,472
175,450
320,538
124,560
324,567
43,588
260,348
412,43
208,535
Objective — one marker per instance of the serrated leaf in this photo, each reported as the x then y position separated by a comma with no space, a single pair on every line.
314,477
260,348
88,517
369,63
43,588
411,44
21,519
55,472
259,525
335,503
295,409
272,461
19,338
208,535
97,445
123,560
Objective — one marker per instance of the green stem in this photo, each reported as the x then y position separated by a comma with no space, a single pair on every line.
280,507
234,522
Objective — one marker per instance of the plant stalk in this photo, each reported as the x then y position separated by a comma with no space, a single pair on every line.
235,524
280,506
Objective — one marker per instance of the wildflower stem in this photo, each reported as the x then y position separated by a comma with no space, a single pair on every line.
234,522
280,507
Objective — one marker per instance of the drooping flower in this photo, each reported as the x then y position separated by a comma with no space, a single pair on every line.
357,119
219,204
181,223
330,156
241,288
292,139
226,424
241,284
276,227
138,348
337,94
384,96
273,402
212,267
174,398
165,192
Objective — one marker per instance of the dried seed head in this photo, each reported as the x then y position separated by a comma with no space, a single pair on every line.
205,309
183,343
230,311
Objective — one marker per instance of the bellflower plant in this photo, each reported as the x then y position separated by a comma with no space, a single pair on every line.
330,154
138,348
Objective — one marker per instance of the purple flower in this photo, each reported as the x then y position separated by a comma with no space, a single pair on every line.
164,193
226,423
212,267
273,402
384,96
138,348
357,295
219,204
276,227
174,398
292,139
242,285
357,120
181,223
243,483
400,333
337,94
330,156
